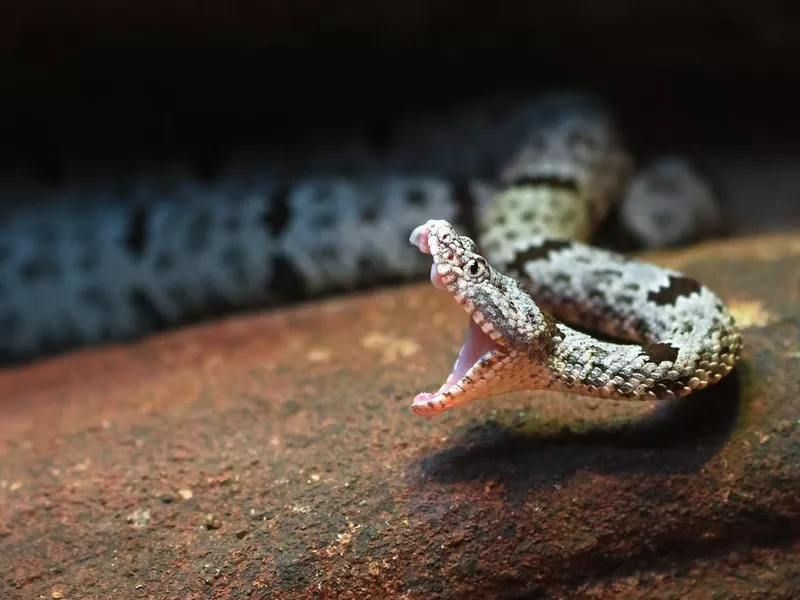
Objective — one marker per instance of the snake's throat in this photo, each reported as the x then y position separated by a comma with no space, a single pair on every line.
477,345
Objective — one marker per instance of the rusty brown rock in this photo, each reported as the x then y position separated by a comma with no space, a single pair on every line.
273,456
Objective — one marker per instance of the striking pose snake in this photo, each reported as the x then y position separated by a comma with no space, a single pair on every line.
537,267
104,258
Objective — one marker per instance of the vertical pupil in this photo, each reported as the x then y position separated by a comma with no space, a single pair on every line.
473,268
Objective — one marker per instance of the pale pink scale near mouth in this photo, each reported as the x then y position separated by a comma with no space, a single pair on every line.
420,237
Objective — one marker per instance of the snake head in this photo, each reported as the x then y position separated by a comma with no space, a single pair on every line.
506,327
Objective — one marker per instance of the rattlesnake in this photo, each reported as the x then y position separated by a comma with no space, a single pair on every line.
536,266
101,258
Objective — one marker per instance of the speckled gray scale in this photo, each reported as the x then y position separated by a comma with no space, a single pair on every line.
157,262
670,203
680,335
531,350
85,263
600,282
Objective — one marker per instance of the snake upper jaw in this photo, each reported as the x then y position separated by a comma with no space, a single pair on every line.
419,237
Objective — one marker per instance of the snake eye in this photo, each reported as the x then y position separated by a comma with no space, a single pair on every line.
476,267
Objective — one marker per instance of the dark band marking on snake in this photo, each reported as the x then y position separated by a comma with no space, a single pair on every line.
680,336
112,258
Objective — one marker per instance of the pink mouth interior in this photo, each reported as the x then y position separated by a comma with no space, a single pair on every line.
476,342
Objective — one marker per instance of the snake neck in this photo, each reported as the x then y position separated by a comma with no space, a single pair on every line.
548,209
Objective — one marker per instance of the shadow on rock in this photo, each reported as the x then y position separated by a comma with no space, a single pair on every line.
654,508
678,437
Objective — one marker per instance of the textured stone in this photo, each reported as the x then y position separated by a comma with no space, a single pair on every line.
273,456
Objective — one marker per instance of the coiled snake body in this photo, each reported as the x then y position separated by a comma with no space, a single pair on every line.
117,258
536,267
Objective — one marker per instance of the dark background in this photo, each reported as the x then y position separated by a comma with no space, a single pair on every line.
122,82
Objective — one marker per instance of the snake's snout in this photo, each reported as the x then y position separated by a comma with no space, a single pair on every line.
419,238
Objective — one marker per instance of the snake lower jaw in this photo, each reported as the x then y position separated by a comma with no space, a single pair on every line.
479,361
506,374
482,371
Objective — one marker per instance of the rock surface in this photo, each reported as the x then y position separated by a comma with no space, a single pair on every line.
273,456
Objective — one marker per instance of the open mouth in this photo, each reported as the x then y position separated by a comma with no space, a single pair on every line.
480,356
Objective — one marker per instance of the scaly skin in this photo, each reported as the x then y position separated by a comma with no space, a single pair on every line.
117,256
528,349
538,267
